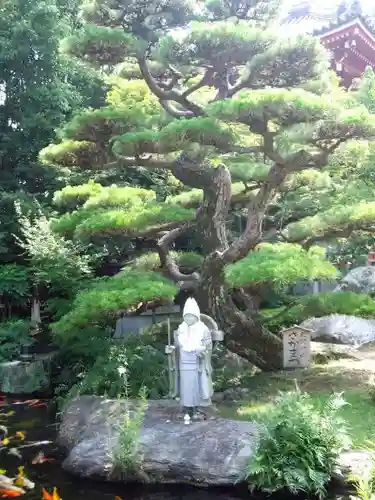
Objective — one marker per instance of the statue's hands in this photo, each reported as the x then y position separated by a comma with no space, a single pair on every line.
200,350
169,349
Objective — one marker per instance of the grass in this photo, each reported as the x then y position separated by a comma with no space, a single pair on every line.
350,372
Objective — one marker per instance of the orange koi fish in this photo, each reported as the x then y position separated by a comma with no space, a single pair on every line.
37,404
10,493
48,496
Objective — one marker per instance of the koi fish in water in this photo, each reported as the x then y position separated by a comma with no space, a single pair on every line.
31,403
40,458
10,493
48,496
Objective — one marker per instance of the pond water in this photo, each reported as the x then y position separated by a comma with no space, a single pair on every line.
41,458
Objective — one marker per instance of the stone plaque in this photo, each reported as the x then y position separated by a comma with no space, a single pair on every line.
296,347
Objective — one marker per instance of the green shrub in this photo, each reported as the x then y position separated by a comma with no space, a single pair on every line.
13,335
298,446
227,372
321,304
145,365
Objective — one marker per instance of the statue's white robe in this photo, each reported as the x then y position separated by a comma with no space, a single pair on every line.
194,347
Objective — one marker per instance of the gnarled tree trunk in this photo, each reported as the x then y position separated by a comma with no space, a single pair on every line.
244,333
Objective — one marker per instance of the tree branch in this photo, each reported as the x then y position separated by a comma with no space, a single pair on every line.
331,232
255,216
166,95
175,112
141,161
205,80
169,263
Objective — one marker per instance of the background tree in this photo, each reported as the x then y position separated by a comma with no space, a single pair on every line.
39,90
247,121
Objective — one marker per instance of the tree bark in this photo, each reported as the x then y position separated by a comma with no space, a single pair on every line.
244,333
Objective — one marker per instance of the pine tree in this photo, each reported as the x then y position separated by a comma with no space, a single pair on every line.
249,125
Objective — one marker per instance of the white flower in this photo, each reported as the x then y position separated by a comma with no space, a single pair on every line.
121,370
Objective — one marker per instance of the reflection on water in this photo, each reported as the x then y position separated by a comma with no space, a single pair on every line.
37,452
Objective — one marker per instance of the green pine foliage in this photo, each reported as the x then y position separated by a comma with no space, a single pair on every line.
114,210
175,136
115,196
73,197
284,107
221,42
299,445
100,45
82,154
137,221
321,304
344,217
280,264
193,197
104,299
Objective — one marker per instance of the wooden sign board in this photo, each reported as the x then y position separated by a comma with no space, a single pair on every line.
296,347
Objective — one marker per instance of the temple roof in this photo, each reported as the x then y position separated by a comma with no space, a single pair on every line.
316,17
345,28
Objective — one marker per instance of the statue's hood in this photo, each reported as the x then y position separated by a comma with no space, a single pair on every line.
191,307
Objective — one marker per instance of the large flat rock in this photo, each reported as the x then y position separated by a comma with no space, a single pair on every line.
207,453
341,329
358,280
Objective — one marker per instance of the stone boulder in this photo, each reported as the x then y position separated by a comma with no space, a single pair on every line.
359,280
18,377
207,453
341,329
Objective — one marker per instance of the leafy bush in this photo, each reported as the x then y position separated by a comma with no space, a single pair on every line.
58,263
228,371
299,445
321,304
145,365
13,335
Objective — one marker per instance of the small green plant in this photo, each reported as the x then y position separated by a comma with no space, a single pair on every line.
365,483
298,445
126,455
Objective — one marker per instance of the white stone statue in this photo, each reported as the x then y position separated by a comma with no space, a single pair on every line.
190,361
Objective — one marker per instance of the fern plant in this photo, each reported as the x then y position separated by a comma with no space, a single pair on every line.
298,446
